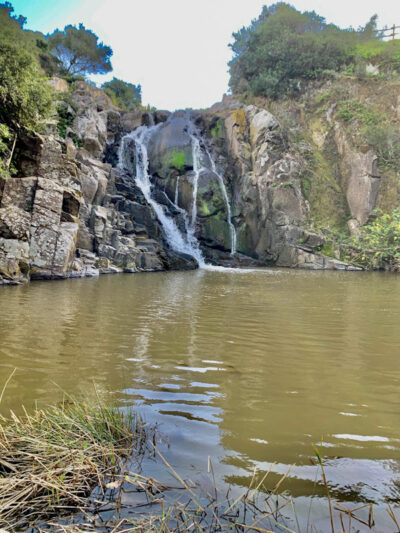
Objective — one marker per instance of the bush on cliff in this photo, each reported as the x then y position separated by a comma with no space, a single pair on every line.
126,96
24,99
283,48
381,238
12,30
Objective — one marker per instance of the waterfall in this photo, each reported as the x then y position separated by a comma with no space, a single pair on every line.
177,191
228,207
180,242
198,168
184,244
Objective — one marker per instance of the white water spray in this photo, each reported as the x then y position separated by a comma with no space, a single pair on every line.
184,244
225,195
177,192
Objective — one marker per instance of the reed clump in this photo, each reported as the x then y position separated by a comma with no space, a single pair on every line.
51,460
67,469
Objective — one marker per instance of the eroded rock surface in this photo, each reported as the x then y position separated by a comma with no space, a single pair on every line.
72,212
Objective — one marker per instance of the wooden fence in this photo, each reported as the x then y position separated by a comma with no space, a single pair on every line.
391,32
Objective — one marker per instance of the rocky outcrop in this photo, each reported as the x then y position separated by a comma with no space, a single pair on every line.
264,173
71,211
361,179
70,214
237,165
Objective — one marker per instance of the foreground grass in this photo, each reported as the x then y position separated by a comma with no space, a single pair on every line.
69,468
51,460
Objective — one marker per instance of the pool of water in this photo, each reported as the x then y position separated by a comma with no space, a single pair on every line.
249,368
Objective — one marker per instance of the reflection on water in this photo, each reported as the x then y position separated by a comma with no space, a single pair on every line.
249,369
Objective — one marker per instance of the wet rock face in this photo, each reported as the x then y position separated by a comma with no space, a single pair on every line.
170,148
264,172
268,205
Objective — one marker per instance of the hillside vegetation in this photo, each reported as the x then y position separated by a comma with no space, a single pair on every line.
337,93
283,48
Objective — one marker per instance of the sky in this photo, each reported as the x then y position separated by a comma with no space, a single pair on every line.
178,49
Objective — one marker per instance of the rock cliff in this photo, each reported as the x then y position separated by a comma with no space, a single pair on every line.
70,214
269,180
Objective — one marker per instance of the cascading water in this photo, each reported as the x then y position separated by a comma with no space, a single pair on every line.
225,195
176,200
187,244
184,244
198,168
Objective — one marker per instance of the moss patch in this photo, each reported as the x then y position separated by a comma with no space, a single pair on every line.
217,230
239,120
177,159
217,132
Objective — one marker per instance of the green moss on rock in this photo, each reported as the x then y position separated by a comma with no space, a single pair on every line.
177,159
217,230
217,132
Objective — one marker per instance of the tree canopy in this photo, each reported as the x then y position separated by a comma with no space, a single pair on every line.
126,96
25,100
8,20
12,30
283,47
79,51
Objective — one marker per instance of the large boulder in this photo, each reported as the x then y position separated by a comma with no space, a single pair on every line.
15,223
58,84
170,148
90,122
14,261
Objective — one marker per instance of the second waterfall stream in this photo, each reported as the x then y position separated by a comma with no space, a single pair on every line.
182,242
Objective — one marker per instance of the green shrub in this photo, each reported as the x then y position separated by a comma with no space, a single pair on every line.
385,139
351,110
65,120
283,47
380,240
124,95
24,98
384,54
12,31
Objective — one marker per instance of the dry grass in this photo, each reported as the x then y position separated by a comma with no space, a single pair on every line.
258,508
67,469
51,460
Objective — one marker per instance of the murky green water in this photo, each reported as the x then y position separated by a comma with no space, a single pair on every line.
249,368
